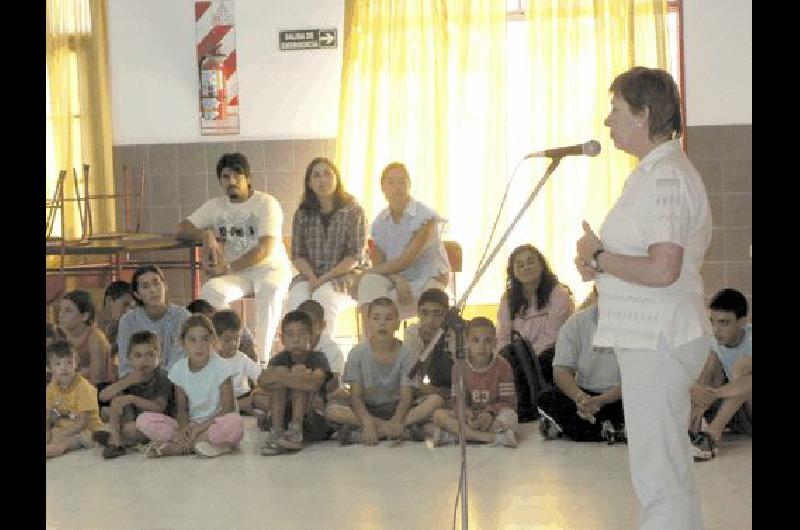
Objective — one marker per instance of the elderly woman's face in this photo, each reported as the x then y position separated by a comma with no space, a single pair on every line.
629,131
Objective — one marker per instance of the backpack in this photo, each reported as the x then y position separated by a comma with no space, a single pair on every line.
533,375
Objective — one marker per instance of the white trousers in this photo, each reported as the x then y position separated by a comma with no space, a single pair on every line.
333,302
268,286
655,396
373,286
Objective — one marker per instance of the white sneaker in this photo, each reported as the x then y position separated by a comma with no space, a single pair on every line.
442,437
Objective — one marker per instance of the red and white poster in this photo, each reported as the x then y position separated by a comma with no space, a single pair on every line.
215,35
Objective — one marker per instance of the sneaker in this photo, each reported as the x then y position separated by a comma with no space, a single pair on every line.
292,438
113,451
506,439
270,446
442,437
703,447
101,437
208,450
344,435
415,433
608,432
548,428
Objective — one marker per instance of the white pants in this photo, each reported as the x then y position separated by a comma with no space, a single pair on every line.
655,396
333,302
373,286
268,286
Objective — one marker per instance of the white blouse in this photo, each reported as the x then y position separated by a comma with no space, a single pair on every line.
663,200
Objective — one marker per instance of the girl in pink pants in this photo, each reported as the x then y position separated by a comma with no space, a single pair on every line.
206,421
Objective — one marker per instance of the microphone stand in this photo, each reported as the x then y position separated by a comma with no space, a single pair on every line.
455,321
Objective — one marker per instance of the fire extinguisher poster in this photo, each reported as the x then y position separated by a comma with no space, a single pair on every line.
215,34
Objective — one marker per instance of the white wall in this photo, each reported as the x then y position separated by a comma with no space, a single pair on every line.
718,55
154,78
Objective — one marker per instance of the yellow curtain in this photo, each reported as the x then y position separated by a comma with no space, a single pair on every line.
423,82
79,107
576,48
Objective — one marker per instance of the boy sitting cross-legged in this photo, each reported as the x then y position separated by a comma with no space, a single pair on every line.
146,388
381,400
291,378
70,402
229,327
490,400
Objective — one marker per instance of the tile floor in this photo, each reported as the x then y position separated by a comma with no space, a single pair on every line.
539,485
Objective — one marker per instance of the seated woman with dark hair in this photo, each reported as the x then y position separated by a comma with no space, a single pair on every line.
152,313
329,241
534,303
408,254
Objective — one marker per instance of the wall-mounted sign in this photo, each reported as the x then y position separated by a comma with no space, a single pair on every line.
215,37
307,39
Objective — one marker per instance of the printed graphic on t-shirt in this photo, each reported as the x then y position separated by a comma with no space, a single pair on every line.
237,231
480,396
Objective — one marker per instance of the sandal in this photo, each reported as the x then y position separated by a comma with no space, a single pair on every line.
159,449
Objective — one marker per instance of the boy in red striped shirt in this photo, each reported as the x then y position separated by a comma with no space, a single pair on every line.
490,398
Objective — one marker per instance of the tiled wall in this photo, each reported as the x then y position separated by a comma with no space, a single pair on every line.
723,154
180,177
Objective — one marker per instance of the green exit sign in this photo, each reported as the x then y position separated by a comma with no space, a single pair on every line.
307,39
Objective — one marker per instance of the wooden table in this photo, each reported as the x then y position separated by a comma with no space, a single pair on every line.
118,249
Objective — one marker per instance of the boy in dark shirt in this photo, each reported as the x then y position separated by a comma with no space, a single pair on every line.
146,388
292,377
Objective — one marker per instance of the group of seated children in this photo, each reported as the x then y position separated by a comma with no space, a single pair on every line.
194,405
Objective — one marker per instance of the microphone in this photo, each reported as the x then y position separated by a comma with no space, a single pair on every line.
590,148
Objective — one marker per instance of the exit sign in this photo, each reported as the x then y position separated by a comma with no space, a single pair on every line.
307,39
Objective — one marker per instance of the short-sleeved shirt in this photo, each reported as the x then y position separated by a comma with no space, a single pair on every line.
313,360
489,388
239,225
438,366
663,201
380,383
539,326
80,396
242,367
325,246
596,366
393,238
159,386
201,387
728,355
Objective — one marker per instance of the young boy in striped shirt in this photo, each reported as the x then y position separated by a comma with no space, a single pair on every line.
490,397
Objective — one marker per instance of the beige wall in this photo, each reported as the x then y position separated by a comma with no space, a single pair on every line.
723,155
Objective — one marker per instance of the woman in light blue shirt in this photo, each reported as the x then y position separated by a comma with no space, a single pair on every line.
408,255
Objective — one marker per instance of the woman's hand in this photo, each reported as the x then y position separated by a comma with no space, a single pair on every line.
587,273
588,244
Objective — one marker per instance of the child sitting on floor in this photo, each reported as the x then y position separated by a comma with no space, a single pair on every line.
70,401
208,423
228,326
292,378
146,388
322,342
381,401
117,300
247,343
490,400
51,334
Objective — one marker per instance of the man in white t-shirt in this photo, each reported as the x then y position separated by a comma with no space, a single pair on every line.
725,387
243,251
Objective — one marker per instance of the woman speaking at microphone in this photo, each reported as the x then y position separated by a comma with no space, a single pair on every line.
646,263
